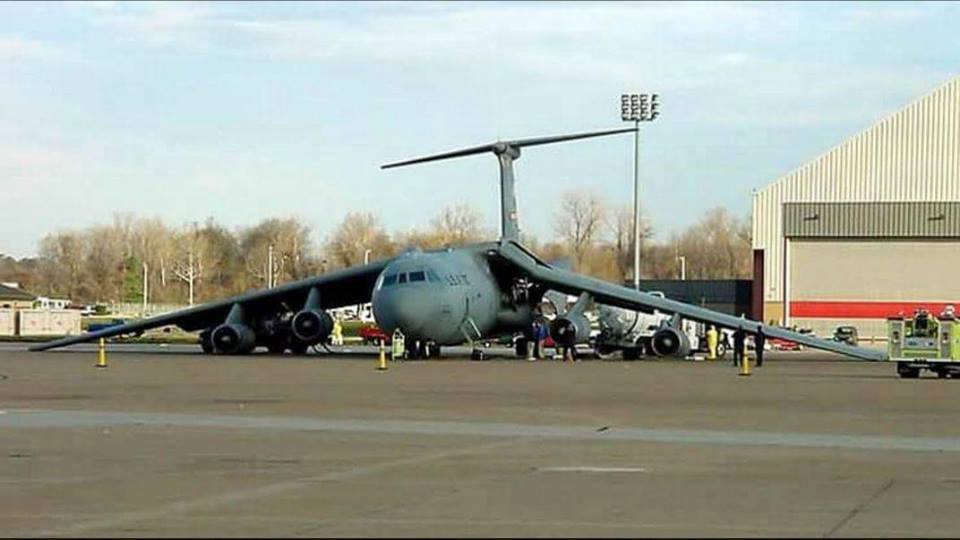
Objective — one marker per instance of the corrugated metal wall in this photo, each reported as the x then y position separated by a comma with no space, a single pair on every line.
912,155
872,220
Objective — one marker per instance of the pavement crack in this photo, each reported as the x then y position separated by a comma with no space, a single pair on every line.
859,508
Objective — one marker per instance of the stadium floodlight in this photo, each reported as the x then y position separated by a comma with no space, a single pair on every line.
638,108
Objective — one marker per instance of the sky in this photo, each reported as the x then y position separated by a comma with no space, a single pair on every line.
245,111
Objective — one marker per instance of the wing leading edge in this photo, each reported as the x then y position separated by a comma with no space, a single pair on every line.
342,288
609,293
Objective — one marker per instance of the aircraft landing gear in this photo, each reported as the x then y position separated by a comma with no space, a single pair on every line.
418,350
206,344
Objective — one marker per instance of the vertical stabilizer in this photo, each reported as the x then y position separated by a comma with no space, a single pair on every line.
507,152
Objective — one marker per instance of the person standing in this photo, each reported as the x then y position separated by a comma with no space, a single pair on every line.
758,343
337,334
531,344
541,336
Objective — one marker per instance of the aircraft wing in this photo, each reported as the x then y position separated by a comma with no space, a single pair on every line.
616,295
341,288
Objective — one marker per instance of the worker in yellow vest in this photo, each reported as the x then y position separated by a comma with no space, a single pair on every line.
336,336
713,337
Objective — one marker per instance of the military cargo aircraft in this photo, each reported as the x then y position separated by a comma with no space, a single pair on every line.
440,297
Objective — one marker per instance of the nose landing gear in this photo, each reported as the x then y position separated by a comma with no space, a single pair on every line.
419,349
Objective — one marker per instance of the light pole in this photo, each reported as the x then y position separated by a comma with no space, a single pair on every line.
144,289
638,108
366,260
683,267
270,266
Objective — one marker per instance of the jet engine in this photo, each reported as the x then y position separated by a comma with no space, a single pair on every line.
570,329
311,325
233,338
668,341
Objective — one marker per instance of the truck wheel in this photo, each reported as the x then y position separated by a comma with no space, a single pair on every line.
721,349
521,347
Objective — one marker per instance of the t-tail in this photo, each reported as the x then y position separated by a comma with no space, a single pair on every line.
507,152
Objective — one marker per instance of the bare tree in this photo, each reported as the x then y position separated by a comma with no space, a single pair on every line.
458,225
276,250
620,225
194,254
354,235
63,269
718,246
579,222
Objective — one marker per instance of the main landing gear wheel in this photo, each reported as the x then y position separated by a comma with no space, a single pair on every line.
299,348
478,354
521,348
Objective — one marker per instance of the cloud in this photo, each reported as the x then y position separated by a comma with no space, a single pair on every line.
156,22
17,48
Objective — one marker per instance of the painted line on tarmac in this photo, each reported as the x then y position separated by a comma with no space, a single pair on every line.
34,418
587,469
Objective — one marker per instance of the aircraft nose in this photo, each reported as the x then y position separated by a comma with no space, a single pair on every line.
403,309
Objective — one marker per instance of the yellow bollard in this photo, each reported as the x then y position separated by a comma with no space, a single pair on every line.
382,366
102,355
745,364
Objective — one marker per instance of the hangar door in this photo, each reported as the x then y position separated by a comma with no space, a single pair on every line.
862,281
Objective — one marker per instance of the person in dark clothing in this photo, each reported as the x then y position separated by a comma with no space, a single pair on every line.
738,338
758,344
542,332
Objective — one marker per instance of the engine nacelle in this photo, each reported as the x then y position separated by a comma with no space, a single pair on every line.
668,341
311,325
569,330
233,338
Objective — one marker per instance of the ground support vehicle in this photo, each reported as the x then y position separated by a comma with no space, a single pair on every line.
925,342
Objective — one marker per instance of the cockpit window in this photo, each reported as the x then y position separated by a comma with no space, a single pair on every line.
417,276
432,276
402,278
389,280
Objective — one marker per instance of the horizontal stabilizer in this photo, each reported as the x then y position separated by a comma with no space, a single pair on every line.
502,146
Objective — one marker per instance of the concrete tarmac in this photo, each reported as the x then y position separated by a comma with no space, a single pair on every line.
167,442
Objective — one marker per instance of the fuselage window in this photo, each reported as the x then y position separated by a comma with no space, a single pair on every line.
390,280
402,279
417,276
432,276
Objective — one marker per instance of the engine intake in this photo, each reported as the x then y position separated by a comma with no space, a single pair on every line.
312,325
233,338
569,330
668,341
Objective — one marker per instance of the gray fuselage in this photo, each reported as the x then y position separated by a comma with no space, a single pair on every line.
447,297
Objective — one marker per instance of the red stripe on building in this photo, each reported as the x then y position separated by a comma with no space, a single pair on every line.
863,310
